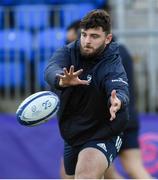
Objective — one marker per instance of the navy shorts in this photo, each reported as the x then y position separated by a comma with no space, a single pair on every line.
109,148
130,139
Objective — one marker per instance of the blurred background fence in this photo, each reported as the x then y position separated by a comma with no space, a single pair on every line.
136,26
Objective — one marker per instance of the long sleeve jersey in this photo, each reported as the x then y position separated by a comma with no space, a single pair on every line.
84,110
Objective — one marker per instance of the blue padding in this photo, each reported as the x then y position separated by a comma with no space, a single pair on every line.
1,17
17,2
8,2
96,2
52,2
15,40
15,48
43,58
32,16
41,69
50,39
72,12
12,74
30,2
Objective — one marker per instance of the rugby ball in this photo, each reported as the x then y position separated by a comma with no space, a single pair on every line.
38,108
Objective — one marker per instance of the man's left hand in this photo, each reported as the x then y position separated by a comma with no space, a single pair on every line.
115,104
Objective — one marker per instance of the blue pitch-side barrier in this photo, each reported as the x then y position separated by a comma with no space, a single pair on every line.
35,152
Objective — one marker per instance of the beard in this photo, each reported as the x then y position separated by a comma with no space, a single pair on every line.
93,54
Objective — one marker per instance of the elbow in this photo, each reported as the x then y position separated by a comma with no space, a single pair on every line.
46,76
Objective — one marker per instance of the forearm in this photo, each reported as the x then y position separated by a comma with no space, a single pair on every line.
51,77
123,97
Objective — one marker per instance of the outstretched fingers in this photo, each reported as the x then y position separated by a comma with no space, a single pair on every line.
60,75
65,71
113,94
71,71
77,73
113,113
84,82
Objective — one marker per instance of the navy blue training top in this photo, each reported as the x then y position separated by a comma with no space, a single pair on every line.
84,110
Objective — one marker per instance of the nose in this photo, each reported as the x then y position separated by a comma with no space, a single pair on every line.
87,40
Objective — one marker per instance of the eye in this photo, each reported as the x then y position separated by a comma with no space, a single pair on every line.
95,36
83,34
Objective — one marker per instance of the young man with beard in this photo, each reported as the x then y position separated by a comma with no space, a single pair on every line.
94,98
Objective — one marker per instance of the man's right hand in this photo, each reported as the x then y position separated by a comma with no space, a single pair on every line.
71,78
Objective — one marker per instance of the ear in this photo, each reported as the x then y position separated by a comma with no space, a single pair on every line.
108,39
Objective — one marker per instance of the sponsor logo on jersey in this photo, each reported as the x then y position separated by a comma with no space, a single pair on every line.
89,78
119,80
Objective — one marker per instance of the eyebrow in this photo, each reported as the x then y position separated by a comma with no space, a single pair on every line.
91,34
95,34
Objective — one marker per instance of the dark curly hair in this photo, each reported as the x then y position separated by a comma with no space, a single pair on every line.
97,18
